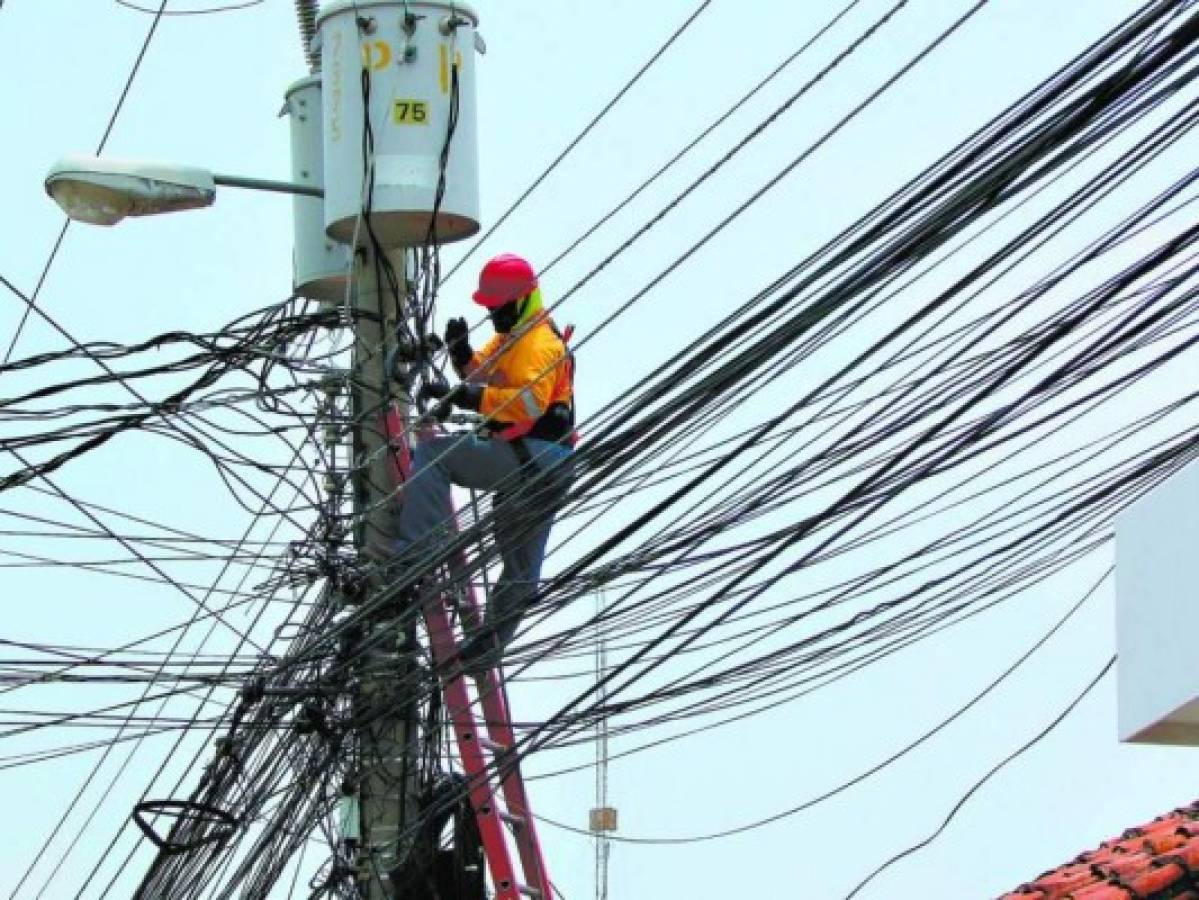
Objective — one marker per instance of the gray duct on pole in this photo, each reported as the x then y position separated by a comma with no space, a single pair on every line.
306,14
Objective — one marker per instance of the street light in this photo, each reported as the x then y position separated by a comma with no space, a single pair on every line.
104,191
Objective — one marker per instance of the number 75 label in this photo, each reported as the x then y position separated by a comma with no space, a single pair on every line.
410,112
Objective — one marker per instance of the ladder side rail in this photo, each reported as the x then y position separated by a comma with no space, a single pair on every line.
494,700
466,729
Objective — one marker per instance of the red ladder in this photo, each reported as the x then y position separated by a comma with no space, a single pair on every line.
475,744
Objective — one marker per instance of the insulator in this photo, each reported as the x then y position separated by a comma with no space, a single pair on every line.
306,15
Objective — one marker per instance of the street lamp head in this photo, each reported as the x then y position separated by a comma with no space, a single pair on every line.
104,191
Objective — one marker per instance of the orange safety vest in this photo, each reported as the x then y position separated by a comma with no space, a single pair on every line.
528,379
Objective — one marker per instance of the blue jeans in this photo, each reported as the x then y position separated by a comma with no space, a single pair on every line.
524,511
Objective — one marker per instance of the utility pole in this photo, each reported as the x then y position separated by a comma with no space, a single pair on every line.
385,742
348,277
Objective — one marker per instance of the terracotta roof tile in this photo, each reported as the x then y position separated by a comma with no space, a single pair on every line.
1158,861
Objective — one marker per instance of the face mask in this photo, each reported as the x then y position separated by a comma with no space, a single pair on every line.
504,318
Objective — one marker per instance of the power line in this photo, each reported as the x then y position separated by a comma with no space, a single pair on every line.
868,773
574,142
1015,754
191,12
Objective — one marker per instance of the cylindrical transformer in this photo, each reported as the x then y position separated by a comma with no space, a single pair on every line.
320,265
410,67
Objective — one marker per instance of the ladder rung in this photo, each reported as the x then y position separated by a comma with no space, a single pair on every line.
512,819
488,744
533,892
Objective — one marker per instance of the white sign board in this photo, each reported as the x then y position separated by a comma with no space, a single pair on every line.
1157,613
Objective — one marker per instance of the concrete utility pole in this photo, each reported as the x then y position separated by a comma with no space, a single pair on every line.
386,742
381,801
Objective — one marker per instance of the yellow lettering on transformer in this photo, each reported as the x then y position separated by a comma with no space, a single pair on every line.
443,58
335,90
376,55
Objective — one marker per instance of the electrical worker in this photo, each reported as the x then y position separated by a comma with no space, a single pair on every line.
522,382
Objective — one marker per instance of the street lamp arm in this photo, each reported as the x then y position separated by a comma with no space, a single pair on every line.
263,184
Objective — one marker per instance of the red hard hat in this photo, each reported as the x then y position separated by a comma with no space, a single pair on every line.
504,279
